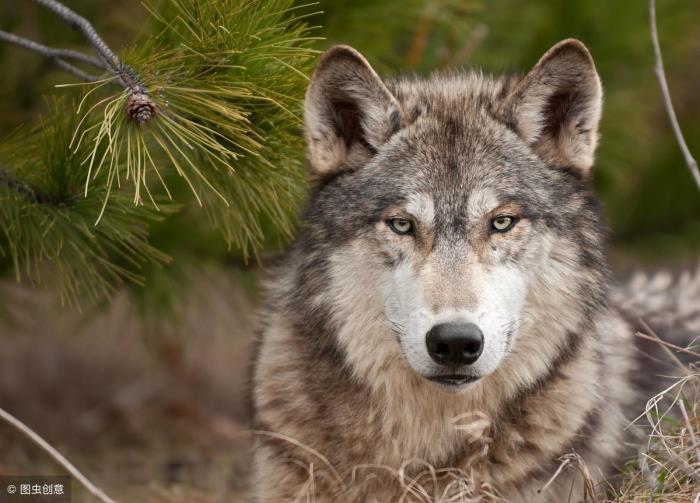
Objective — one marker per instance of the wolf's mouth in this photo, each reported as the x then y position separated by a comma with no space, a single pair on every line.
453,379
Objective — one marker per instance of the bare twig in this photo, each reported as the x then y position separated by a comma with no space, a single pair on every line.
106,58
667,344
96,491
57,55
139,108
87,77
51,52
83,25
127,75
661,76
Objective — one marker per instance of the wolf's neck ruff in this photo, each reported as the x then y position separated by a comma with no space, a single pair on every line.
459,201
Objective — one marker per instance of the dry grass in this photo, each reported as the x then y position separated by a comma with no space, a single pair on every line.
668,469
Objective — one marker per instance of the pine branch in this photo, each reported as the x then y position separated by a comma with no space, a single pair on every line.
222,122
663,84
229,78
46,224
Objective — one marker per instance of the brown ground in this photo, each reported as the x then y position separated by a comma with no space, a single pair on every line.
148,411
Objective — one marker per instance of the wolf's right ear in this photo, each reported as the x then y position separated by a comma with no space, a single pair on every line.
348,111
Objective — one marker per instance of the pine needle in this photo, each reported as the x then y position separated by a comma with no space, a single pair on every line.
226,79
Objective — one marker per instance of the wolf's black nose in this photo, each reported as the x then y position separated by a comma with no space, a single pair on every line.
455,344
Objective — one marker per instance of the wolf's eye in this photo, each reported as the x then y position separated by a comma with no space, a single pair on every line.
400,225
503,223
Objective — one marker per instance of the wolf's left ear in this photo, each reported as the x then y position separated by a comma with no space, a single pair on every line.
556,107
349,112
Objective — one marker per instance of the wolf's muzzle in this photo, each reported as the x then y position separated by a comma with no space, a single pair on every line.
455,344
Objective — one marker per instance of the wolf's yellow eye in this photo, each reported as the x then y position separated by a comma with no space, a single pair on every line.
400,225
502,224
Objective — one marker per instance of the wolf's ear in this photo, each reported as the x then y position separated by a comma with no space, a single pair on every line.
349,112
556,107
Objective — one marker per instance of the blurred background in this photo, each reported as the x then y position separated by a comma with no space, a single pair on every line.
145,389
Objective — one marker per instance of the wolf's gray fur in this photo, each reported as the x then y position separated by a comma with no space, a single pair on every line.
343,380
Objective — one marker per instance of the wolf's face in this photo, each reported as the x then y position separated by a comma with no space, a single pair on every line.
448,208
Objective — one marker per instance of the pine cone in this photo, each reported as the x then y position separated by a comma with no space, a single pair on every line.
140,108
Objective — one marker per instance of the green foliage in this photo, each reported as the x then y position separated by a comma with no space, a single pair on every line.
49,224
226,78
419,35
83,190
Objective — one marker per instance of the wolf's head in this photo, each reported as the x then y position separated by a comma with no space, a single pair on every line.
451,225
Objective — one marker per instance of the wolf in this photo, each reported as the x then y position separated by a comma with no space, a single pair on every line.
445,320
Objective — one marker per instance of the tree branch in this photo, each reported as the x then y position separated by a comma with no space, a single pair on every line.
57,55
83,25
96,491
661,76
128,77
140,107
51,52
106,60
87,77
